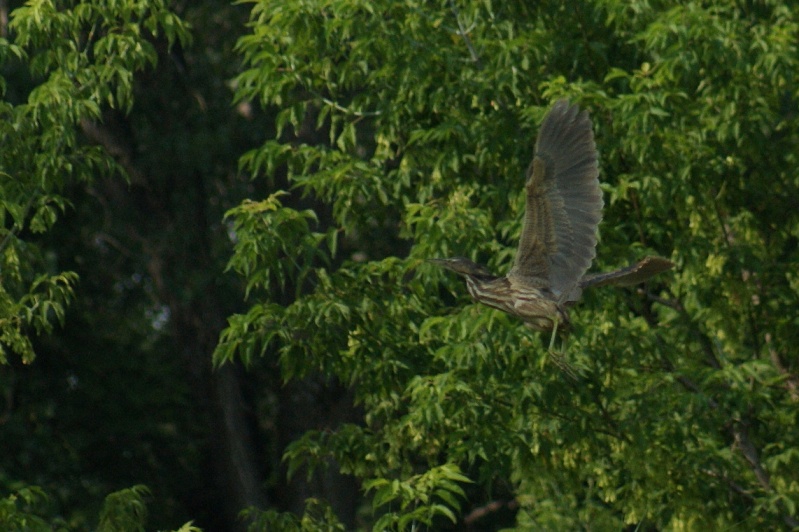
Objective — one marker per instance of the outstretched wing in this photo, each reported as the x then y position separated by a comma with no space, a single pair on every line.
637,273
564,203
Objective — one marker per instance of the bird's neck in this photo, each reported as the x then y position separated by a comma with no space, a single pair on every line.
480,279
475,282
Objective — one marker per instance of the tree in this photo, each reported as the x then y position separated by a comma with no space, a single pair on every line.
681,410
41,152
124,393
372,136
68,81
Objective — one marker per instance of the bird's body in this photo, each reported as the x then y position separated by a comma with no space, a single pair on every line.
537,309
535,306
559,236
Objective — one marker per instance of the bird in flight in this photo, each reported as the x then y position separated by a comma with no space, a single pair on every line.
559,235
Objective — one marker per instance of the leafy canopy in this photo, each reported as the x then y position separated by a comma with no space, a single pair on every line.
79,57
412,123
62,64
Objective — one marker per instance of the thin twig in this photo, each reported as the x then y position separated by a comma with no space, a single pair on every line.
791,380
741,436
738,428
670,303
739,433
493,506
733,485
465,36
17,227
339,107
4,18
335,105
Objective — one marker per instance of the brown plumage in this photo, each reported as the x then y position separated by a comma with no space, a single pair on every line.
558,241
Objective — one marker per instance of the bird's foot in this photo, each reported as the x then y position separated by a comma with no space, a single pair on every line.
558,356
563,365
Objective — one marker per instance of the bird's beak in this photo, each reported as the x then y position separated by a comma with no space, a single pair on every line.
440,262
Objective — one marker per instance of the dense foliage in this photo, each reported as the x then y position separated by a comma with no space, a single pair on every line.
63,64
682,411
402,131
80,59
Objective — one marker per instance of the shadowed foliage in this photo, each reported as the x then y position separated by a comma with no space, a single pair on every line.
323,151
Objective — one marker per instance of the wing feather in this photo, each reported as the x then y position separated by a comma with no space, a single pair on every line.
564,203
631,275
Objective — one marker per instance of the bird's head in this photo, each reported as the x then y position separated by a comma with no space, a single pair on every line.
464,266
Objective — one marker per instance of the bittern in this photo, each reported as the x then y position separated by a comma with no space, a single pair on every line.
559,234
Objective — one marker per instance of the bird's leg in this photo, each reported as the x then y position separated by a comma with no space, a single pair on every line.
554,332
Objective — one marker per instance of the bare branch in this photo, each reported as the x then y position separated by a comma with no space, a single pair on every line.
791,381
749,452
737,488
493,506
463,33
119,148
4,18
670,303
339,107
739,433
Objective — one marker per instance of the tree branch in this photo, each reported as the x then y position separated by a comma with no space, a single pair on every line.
791,382
493,506
4,18
120,149
740,435
749,452
462,32
738,428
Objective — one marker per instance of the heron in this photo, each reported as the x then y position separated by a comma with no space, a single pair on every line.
563,209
